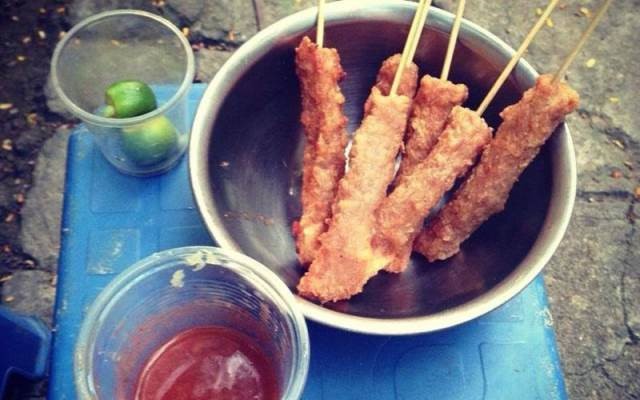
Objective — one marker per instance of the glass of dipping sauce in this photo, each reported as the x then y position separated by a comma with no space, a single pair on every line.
193,323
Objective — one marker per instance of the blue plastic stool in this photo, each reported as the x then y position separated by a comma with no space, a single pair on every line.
24,344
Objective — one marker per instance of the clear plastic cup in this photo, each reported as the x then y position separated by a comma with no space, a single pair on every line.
176,290
128,45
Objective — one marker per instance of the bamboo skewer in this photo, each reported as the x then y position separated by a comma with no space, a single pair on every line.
453,39
418,33
411,44
516,57
581,42
320,24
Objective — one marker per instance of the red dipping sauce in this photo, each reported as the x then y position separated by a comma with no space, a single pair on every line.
208,363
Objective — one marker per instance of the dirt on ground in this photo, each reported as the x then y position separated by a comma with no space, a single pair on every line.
29,31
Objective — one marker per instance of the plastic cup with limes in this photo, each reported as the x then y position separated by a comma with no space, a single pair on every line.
127,75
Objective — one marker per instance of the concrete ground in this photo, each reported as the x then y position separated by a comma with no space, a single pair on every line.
594,278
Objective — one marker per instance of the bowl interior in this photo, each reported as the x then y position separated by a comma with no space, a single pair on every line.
254,164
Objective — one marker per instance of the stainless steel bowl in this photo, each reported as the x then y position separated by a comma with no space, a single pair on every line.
245,163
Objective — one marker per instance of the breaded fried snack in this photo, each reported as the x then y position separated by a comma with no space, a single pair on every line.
345,261
430,109
408,82
525,128
401,215
324,123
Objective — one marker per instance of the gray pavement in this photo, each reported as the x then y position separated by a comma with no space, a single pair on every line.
594,278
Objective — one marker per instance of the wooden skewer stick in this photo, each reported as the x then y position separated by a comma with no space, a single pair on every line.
412,43
418,33
516,57
453,39
320,24
581,42
412,31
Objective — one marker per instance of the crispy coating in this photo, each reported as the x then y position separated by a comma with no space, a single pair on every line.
408,82
401,215
324,125
525,128
345,261
431,108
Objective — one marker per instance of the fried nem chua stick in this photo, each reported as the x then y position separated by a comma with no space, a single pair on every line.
418,185
525,128
324,125
431,108
400,218
432,105
408,82
344,262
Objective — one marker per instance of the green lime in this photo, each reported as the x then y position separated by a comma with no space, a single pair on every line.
150,142
127,99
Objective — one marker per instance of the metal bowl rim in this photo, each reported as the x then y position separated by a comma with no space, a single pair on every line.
562,193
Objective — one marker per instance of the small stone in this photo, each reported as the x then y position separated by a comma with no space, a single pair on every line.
628,164
26,40
590,63
636,193
21,58
42,34
10,218
19,197
15,18
614,99
6,106
61,10
585,11
32,119
616,174
42,10
618,143
5,278
9,299
7,145
186,31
